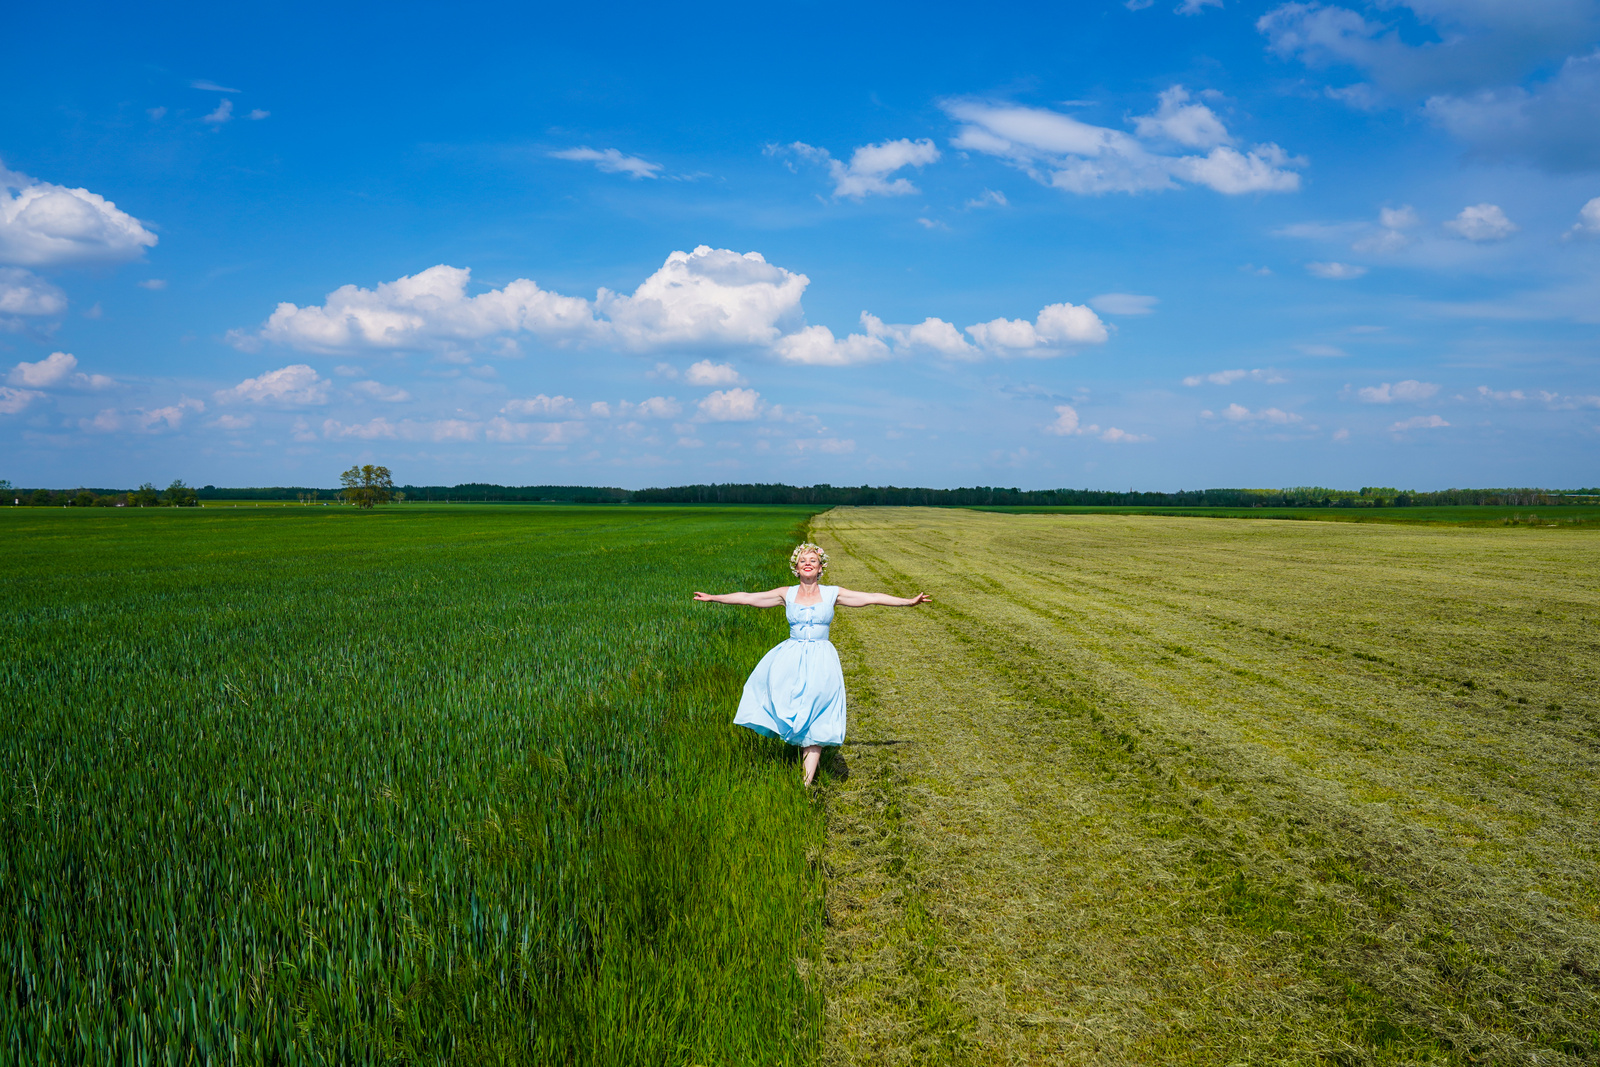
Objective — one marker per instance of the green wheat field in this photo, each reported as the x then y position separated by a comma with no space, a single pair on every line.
457,785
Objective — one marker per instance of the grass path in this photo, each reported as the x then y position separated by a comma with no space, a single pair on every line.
1159,790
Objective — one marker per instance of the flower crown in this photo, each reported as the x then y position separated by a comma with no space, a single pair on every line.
800,550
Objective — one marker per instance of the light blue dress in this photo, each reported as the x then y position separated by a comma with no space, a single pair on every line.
796,692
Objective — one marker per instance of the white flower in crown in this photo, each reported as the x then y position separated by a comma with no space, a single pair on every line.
800,550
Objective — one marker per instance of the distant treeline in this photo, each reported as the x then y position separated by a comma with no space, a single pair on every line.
988,496
1305,496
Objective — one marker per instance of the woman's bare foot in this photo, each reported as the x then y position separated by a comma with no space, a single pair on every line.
811,756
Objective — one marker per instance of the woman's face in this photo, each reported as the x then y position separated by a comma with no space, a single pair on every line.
809,565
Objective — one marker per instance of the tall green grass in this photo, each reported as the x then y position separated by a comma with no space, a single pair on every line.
445,786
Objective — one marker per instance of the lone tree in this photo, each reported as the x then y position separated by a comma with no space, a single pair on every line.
367,485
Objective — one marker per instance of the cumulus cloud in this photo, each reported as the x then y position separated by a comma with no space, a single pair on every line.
1588,224
868,172
1482,222
1067,424
1409,391
295,384
50,225
1058,150
23,293
989,198
13,401
732,405
1057,326
834,446
1124,303
708,373
223,113
657,407
708,296
611,161
1418,422
57,370
1337,272
1228,377
1123,437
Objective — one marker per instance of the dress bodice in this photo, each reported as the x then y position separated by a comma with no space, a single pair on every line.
810,622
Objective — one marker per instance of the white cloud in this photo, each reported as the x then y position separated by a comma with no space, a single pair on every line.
294,384
1239,413
1060,151
1482,222
657,407
1067,424
1409,391
1124,303
1057,325
542,405
702,298
256,114
13,401
48,225
1588,224
816,346
388,394
1228,377
1180,120
1123,437
732,405
539,433
708,296
870,166
211,86
1194,7
929,335
1418,422
58,369
223,113
611,161
708,373
153,284
1338,272
989,198
22,293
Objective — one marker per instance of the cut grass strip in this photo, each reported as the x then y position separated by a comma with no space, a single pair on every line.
1205,793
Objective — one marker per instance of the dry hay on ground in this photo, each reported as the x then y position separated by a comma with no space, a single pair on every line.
1163,790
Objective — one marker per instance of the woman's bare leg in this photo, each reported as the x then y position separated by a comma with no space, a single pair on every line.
812,755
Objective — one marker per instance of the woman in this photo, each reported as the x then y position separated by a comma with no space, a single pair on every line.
796,692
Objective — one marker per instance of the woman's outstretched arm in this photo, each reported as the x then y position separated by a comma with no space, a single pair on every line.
850,598
770,599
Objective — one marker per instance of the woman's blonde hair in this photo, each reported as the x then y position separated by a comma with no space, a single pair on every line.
800,550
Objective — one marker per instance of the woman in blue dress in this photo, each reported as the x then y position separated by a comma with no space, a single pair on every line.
796,692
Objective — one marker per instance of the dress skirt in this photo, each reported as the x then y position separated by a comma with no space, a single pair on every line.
796,694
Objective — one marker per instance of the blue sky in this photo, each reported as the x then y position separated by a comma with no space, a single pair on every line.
1179,243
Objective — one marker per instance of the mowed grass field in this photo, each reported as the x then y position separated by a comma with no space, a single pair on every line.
1154,790
420,786
1443,515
